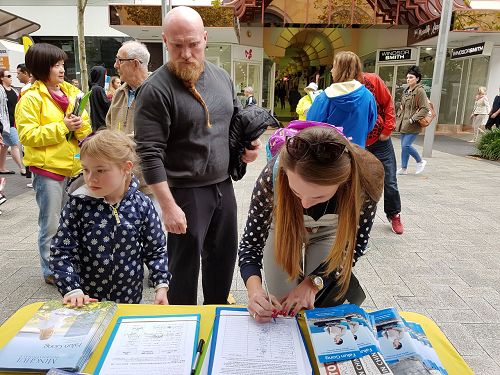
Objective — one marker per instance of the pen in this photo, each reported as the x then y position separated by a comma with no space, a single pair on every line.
197,357
267,292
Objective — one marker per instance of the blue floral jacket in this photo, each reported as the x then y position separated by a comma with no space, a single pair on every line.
101,248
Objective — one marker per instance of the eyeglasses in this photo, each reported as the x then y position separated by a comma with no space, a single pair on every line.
120,60
323,152
7,76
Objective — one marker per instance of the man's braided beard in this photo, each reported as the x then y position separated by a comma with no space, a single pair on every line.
189,73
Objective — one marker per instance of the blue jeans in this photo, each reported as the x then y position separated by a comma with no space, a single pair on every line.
407,149
50,197
384,151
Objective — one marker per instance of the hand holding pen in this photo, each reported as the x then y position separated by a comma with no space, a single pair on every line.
262,306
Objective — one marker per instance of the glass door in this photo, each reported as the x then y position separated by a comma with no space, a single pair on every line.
247,74
394,77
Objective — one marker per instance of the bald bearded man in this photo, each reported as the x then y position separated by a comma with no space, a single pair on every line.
182,119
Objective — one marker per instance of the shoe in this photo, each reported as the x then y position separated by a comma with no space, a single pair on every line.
420,167
30,185
472,141
51,280
402,171
397,226
2,199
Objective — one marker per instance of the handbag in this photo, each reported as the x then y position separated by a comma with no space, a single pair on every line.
426,121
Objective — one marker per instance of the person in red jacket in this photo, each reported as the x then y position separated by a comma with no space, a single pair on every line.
379,144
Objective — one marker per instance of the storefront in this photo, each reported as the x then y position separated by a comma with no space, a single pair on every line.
464,72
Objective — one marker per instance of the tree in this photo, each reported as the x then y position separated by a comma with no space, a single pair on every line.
82,56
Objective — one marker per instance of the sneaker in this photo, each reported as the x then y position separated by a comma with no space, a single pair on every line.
2,199
420,167
402,171
29,185
397,226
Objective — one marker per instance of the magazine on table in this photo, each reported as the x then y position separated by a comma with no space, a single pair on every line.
386,343
57,337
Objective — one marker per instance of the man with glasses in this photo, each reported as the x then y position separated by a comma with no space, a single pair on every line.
131,62
182,120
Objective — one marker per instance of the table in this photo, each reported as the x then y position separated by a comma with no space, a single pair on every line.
454,364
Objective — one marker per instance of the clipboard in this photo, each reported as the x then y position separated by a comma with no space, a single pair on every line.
81,101
215,332
152,318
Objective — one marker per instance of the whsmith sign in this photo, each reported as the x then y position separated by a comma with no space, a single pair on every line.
401,54
473,50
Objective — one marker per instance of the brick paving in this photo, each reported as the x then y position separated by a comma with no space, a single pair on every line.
446,265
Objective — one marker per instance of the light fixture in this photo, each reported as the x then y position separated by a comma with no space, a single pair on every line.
428,48
220,48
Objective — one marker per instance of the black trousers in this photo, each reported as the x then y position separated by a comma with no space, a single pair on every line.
384,151
212,233
492,121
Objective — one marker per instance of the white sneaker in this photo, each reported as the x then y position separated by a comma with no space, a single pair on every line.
29,185
402,171
420,167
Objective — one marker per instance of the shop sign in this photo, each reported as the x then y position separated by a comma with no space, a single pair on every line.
395,55
4,59
422,32
478,49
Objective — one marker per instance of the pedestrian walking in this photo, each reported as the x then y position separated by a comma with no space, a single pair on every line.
480,112
414,106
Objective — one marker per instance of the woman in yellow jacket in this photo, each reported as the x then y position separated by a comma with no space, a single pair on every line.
50,135
306,102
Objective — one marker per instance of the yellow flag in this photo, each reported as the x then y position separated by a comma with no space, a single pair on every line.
27,42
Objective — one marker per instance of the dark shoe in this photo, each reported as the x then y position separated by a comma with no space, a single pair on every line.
7,172
51,280
397,226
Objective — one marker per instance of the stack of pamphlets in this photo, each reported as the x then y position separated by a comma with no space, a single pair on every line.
57,337
348,340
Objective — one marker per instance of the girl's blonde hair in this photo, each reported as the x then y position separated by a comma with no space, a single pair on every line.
481,90
110,145
357,172
346,67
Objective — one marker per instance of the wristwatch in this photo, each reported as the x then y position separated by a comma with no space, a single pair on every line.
317,281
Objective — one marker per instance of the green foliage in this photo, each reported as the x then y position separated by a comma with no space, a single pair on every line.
489,145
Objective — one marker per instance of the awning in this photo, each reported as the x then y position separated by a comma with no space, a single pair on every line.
14,27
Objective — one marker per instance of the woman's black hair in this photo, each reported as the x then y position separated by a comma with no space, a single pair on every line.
415,70
41,57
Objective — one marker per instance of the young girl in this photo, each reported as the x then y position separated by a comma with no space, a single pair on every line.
108,229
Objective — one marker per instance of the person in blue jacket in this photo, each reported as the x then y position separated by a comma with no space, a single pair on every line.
108,229
346,103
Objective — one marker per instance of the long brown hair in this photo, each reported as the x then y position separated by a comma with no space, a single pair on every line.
357,172
346,67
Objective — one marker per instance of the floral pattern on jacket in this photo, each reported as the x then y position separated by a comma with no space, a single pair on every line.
101,248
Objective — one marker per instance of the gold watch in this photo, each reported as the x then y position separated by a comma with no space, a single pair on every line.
317,281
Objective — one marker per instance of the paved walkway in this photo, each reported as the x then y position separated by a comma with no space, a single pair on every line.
446,265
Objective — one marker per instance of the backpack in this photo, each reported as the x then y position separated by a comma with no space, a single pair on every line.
426,121
279,137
